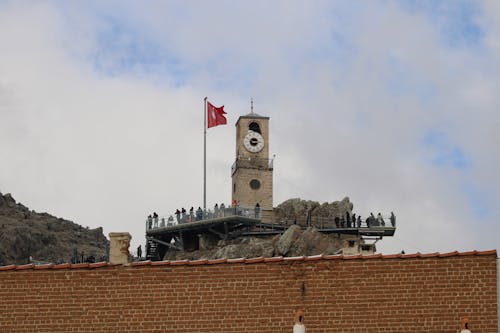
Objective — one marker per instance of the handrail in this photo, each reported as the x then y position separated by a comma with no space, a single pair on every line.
319,222
252,163
202,215
326,222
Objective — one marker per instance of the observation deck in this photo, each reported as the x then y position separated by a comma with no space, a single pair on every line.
182,233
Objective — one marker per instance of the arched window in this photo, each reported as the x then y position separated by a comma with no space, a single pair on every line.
253,126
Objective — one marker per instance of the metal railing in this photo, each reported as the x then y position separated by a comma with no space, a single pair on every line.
252,163
201,215
326,222
319,222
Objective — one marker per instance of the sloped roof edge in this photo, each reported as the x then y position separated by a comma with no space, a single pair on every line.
203,262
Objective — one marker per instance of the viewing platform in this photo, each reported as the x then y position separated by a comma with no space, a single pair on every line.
182,233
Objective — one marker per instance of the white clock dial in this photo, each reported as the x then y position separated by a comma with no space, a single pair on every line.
253,142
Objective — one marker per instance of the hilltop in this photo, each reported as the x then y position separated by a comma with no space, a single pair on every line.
26,234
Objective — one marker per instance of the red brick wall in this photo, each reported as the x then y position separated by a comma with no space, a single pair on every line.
337,295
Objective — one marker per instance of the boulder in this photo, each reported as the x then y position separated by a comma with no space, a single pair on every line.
287,239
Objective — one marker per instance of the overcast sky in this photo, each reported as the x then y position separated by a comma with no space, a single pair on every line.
395,104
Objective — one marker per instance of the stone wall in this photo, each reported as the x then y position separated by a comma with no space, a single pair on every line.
248,197
399,293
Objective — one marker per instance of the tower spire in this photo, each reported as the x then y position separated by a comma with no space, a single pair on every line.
251,105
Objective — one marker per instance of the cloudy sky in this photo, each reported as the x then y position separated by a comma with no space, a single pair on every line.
395,104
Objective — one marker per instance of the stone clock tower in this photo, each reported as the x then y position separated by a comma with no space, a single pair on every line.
252,172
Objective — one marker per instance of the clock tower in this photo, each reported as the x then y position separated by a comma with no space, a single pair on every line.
252,171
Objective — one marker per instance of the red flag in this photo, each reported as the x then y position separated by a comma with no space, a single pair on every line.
215,115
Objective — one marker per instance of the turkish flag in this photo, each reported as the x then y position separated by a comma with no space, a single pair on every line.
215,115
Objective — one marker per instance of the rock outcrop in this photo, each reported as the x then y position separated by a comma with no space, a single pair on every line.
298,209
26,235
297,240
293,242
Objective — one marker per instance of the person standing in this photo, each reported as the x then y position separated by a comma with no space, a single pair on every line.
150,221
183,217
199,214
216,211
155,219
139,252
257,211
393,219
222,210
380,220
178,216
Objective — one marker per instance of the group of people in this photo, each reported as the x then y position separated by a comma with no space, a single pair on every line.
355,221
184,216
152,221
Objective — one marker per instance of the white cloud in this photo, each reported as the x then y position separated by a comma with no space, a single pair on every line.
351,93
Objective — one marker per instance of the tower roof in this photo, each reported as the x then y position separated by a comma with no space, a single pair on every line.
251,115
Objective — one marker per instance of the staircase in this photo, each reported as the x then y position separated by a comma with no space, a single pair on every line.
152,251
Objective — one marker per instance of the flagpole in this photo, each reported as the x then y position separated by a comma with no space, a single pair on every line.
205,155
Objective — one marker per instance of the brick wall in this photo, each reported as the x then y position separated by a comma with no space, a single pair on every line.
380,294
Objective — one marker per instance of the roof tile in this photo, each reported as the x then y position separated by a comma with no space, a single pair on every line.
141,263
236,261
7,268
216,261
163,263
301,258
316,257
98,264
449,254
333,257
198,262
254,260
273,259
250,260
355,256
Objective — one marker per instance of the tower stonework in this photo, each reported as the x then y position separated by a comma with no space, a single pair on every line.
252,171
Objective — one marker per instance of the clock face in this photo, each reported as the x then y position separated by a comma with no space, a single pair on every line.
253,142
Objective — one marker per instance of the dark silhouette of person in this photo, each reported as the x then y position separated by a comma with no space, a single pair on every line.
337,222
373,220
199,214
139,252
358,221
257,210
348,219
150,221
191,214
183,217
393,219
178,215
155,219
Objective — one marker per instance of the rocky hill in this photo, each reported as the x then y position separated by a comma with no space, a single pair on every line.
27,236
295,241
